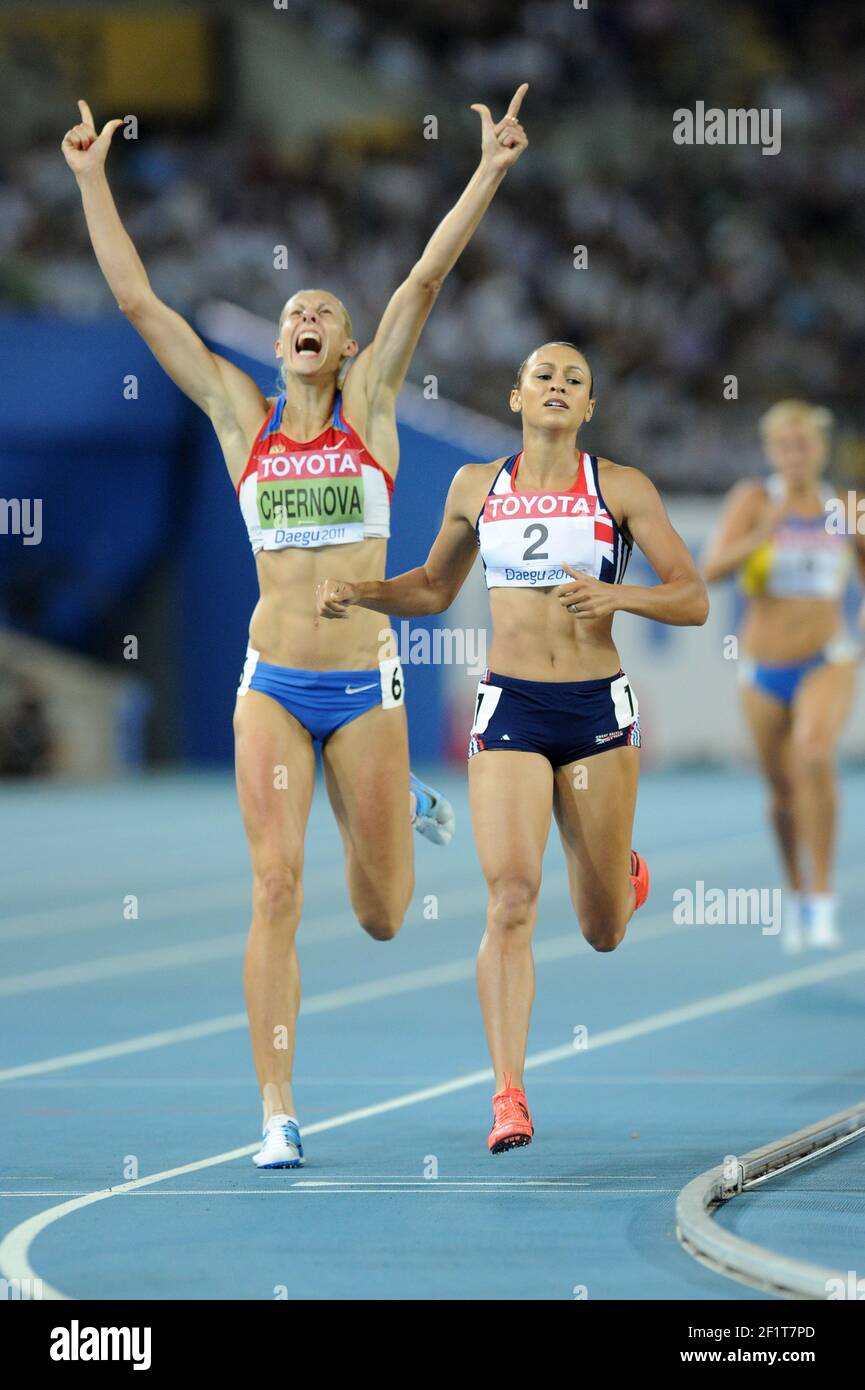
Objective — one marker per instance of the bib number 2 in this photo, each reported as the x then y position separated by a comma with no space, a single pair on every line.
542,534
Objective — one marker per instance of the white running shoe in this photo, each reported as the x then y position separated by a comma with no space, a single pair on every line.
280,1144
792,939
434,816
823,933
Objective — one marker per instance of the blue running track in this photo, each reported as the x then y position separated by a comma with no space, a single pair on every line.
124,1055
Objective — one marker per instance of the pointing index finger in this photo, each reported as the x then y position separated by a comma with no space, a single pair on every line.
86,113
517,100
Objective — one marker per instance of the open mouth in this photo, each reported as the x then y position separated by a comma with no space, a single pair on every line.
308,343
555,404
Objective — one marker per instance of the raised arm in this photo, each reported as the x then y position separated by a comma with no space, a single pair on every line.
859,547
434,585
227,395
746,524
382,367
680,599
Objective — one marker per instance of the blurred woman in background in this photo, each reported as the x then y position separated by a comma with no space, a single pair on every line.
798,662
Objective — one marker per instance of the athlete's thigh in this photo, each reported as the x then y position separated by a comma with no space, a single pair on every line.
511,801
594,807
822,704
771,726
366,771
275,770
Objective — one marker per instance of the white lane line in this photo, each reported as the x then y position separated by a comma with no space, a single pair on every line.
145,1042
15,1246
160,904
371,1179
130,963
394,1179
170,904
315,929
455,904
195,896
103,876
105,913
558,948
770,988
430,977
371,1191
395,1185
677,1078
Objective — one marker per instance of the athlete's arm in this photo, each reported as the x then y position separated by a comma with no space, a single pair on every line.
434,585
680,599
390,353
224,392
745,525
859,536
859,550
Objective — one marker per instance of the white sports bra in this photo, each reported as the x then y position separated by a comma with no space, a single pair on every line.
526,538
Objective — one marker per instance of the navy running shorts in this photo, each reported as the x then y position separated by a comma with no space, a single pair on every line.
564,721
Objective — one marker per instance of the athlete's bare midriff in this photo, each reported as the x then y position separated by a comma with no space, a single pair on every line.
783,631
536,639
285,628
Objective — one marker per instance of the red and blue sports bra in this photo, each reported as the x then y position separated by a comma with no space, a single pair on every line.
329,491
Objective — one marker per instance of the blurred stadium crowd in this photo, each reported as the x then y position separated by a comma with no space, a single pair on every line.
702,262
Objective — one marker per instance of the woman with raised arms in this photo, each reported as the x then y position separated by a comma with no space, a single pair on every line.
313,468
554,527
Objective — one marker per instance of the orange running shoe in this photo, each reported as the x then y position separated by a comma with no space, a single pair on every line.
512,1123
640,878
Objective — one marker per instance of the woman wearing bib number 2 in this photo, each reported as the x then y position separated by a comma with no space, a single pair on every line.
798,667
313,469
555,527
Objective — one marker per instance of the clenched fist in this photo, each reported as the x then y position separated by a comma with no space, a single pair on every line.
333,598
